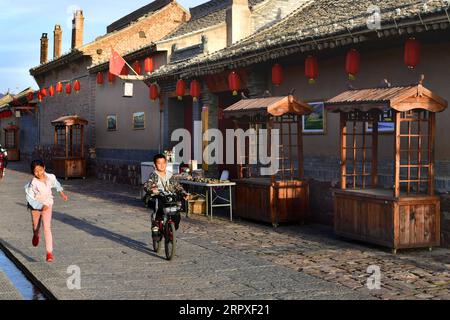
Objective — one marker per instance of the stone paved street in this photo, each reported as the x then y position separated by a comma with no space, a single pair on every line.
105,231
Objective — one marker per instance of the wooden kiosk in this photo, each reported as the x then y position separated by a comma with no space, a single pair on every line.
407,216
12,142
69,158
284,196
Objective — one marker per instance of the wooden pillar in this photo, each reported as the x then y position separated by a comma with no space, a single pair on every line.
67,142
82,141
431,142
343,144
300,155
375,153
397,154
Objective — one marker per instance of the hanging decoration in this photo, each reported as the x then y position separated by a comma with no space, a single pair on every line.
68,89
43,92
111,78
277,75
59,87
181,89
137,67
51,91
40,96
234,82
77,86
100,79
352,63
412,53
154,92
148,63
195,90
311,69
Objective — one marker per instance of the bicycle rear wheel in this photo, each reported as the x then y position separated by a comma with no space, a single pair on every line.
171,240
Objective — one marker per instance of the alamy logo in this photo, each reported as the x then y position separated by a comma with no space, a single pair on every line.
374,20
74,280
263,147
374,281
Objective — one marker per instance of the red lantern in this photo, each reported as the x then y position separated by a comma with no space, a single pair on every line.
195,90
43,92
100,79
77,86
30,96
277,75
311,69
68,89
234,82
412,53
154,92
51,91
59,87
181,89
352,63
137,67
111,78
124,71
40,96
149,67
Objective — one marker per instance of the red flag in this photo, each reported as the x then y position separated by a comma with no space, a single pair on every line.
116,63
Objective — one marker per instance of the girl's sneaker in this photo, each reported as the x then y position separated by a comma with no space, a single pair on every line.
35,241
50,257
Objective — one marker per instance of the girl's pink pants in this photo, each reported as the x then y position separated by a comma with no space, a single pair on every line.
46,217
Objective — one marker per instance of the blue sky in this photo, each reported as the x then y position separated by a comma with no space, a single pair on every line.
22,23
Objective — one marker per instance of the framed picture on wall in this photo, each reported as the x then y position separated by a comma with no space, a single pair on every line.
316,122
385,126
111,122
139,120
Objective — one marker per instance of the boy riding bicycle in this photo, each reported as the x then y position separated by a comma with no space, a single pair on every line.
161,179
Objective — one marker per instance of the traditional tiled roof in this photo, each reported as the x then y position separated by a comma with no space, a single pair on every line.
204,16
135,15
316,20
384,98
5,100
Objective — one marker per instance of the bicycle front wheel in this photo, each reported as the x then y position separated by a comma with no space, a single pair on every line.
171,241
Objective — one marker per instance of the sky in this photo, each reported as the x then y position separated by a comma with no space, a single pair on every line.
22,23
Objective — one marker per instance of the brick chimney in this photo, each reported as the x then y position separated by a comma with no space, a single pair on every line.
44,48
238,20
57,41
77,29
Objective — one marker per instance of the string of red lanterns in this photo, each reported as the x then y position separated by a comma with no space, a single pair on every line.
412,55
